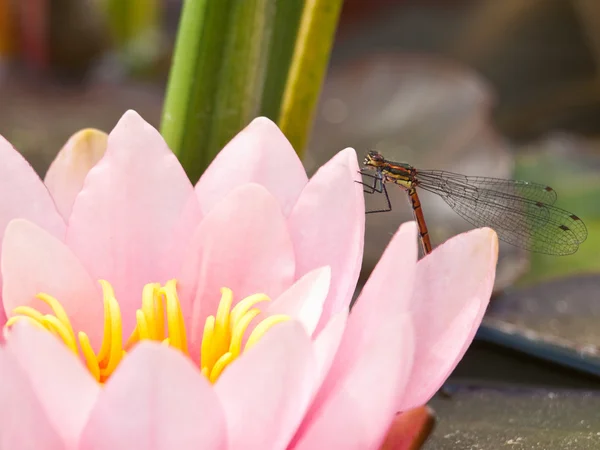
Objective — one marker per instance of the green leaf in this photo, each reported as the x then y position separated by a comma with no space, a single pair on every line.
217,76
243,73
308,68
236,59
283,41
189,103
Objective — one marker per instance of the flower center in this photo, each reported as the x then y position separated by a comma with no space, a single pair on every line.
159,319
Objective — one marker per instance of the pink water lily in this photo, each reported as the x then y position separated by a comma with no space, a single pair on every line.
216,316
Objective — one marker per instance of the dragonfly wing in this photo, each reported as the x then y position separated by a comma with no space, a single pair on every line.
530,224
532,191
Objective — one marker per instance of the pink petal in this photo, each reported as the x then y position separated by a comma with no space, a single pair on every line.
381,305
23,193
63,386
124,221
266,391
327,343
67,172
243,244
24,196
453,287
25,423
261,154
157,399
33,261
304,299
336,202
388,290
358,412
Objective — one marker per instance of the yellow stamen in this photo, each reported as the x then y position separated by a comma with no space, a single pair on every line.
58,311
177,336
262,328
219,366
235,348
222,338
89,356
60,329
151,307
107,313
206,356
223,335
25,312
116,339
244,306
142,329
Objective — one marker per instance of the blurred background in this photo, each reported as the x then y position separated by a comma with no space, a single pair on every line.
507,89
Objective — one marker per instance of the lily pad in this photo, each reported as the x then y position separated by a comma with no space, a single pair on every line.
555,321
534,419
565,311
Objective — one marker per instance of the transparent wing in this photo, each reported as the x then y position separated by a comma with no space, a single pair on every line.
516,210
531,191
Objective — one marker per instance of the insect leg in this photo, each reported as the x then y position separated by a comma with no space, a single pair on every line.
387,199
377,185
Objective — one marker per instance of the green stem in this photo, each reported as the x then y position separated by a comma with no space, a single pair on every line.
217,76
243,72
308,68
283,40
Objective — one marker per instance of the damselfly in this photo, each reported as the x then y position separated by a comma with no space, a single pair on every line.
521,213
